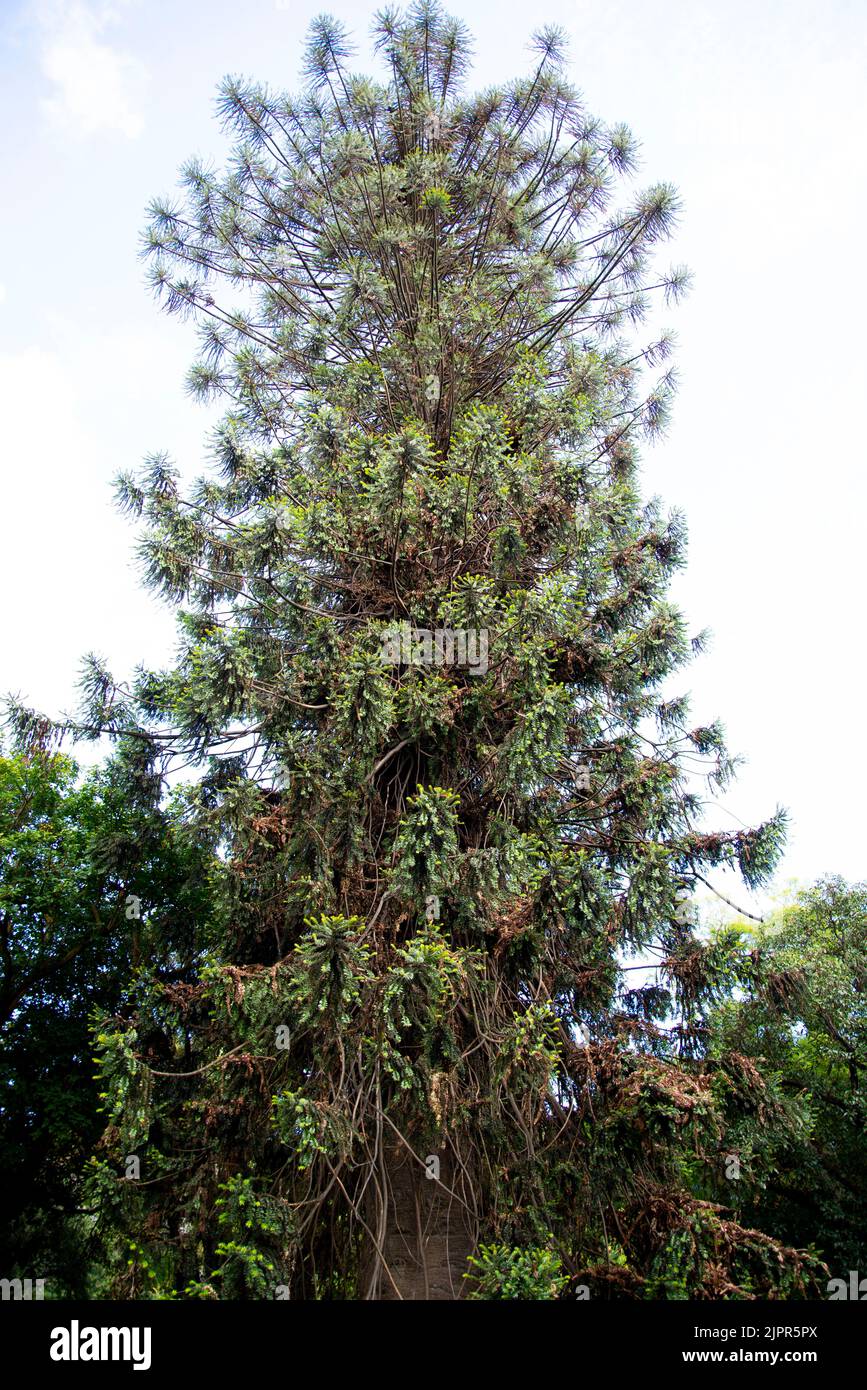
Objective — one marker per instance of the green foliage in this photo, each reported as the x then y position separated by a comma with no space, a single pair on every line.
530,1049
308,1129
331,971
421,991
72,850
501,1272
426,844
801,1032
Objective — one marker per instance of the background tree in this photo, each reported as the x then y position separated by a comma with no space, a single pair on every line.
804,1027
414,303
72,853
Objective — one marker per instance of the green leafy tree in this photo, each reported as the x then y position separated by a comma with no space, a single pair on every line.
416,1035
93,881
803,1028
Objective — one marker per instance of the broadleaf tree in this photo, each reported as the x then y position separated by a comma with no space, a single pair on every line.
96,877
803,1027
414,1065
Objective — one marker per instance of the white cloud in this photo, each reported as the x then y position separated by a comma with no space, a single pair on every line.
95,87
76,409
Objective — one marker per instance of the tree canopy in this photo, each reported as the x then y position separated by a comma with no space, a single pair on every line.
95,879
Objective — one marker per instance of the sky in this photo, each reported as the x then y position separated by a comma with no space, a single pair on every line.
755,110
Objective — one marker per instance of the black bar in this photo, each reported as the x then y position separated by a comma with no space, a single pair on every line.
190,1339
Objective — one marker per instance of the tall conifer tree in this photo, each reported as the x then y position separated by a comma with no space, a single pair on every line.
416,1051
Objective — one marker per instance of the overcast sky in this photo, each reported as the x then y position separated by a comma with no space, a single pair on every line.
755,109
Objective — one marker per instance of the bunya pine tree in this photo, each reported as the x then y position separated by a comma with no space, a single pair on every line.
425,681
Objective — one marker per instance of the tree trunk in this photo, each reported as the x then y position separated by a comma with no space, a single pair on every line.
429,1231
